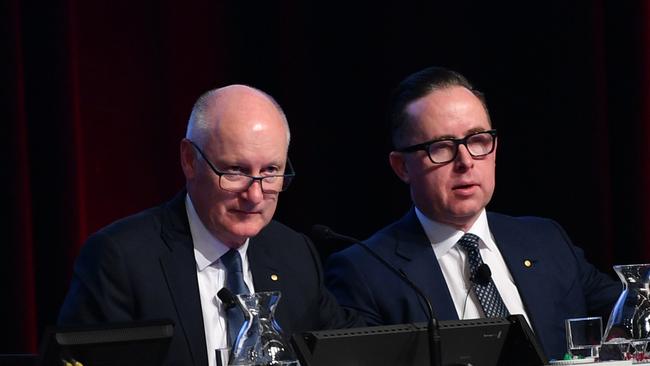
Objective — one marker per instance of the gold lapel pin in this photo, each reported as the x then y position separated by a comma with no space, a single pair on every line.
274,277
528,263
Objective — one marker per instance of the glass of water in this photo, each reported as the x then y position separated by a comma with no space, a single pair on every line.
584,336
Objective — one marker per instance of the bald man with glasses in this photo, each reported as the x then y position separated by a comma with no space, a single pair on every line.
169,262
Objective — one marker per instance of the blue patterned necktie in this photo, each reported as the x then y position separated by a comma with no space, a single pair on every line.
235,283
487,293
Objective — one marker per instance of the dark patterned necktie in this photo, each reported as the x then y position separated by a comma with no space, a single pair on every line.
235,283
487,293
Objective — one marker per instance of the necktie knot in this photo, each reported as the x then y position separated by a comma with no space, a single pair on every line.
232,261
234,273
469,242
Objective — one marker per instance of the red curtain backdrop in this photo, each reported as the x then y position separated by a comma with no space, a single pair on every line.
18,269
96,95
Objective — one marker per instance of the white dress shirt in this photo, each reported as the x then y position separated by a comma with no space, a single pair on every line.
455,269
211,275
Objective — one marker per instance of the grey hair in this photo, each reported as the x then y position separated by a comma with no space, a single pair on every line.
198,126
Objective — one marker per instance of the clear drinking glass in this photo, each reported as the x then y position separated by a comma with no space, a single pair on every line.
260,341
630,318
584,336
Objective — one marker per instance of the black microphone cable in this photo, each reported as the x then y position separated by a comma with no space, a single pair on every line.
481,277
435,352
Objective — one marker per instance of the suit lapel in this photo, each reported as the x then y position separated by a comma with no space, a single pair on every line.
267,274
416,258
267,269
179,268
525,263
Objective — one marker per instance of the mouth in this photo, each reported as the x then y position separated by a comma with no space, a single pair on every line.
244,212
465,188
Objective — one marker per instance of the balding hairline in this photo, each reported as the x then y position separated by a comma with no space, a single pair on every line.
199,125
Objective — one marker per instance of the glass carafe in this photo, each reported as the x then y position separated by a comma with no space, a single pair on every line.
260,340
630,318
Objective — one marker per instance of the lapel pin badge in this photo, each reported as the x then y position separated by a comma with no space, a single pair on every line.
274,277
528,263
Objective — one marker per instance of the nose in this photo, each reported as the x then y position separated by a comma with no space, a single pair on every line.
464,159
254,192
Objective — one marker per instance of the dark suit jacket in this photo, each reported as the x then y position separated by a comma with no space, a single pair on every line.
143,268
560,284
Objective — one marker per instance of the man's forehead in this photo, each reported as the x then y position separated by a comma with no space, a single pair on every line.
448,102
433,120
242,107
236,118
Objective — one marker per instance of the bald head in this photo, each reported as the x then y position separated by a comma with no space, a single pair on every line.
240,132
231,103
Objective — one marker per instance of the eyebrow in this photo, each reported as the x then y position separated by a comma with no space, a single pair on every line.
475,130
246,168
452,137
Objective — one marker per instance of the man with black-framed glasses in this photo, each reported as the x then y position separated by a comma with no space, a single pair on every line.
470,263
170,262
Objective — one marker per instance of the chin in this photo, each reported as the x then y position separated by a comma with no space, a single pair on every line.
465,213
248,230
467,207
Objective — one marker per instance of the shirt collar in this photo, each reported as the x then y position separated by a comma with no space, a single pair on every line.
444,237
207,248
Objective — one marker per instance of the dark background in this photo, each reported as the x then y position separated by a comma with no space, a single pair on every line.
96,95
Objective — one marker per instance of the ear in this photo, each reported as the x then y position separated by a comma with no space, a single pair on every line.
188,159
398,163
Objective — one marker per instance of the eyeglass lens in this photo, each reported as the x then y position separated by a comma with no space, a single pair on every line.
479,144
239,183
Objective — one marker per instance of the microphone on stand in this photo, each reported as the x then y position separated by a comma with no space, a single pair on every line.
435,353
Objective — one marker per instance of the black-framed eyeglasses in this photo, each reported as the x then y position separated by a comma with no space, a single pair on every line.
441,151
240,182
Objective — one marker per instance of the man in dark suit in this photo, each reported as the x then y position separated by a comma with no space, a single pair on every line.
445,149
168,262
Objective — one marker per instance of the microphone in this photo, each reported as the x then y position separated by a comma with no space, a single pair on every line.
227,297
483,275
435,354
